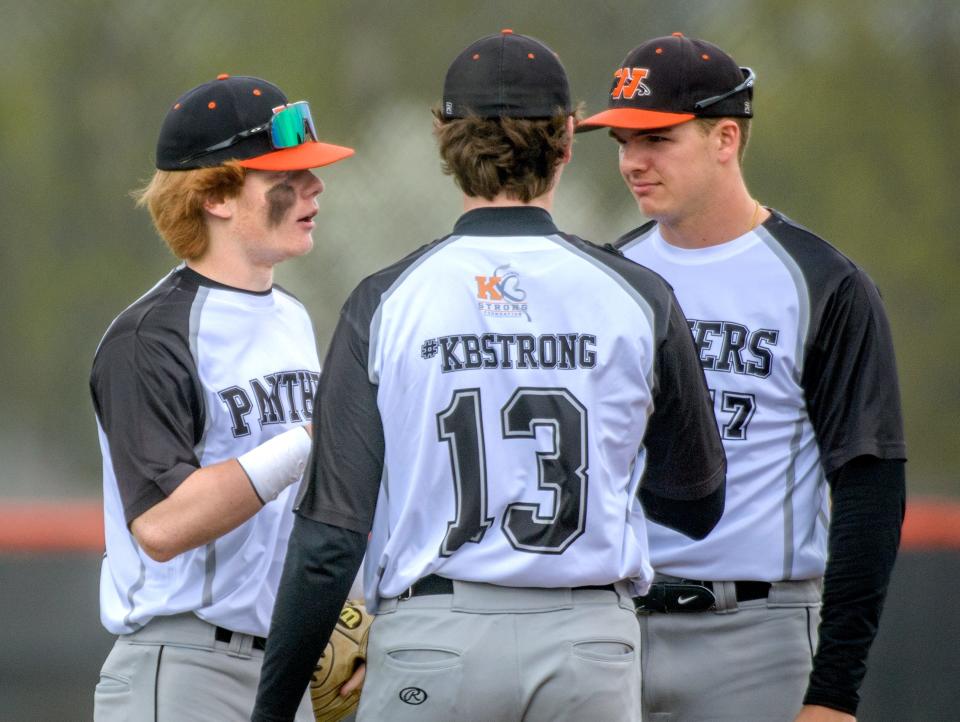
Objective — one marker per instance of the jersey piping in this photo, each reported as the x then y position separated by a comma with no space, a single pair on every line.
803,295
195,312
803,325
131,593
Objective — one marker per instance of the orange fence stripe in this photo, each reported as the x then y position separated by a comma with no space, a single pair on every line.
40,526
77,526
931,524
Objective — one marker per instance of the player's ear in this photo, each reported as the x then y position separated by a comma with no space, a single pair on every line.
568,153
726,136
219,207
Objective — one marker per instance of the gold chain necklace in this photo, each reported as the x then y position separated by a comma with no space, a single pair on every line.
755,217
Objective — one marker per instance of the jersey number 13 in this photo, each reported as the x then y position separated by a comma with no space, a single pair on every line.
562,469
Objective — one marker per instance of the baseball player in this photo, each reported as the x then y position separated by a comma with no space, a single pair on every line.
202,390
796,348
491,408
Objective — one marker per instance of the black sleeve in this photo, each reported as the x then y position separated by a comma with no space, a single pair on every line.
147,398
321,563
850,378
343,476
683,485
693,517
868,503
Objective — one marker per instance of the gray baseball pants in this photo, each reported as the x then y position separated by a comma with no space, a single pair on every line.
745,662
174,670
488,653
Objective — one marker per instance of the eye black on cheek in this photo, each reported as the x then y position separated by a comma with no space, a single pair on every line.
280,199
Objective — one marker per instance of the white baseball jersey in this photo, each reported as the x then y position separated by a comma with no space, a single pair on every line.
192,374
501,381
768,311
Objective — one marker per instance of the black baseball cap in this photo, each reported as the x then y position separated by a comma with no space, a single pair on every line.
506,75
670,80
245,119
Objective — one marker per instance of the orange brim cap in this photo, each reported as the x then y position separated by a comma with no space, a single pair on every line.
300,157
633,119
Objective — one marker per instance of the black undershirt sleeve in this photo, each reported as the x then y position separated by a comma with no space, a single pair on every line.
684,482
693,517
342,481
868,501
321,564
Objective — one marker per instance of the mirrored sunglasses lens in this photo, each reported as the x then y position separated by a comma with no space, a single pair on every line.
292,126
308,123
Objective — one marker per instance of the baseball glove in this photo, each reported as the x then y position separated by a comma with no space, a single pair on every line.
346,650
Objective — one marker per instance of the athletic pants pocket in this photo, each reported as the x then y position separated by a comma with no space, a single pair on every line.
412,683
126,689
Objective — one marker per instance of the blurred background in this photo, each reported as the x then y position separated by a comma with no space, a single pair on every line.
857,117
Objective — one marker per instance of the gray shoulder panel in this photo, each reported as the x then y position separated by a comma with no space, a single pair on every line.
627,287
803,294
623,245
196,310
377,315
642,302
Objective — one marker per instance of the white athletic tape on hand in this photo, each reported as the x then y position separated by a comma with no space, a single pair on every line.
277,463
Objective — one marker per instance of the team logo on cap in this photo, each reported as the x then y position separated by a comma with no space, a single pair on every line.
629,83
499,294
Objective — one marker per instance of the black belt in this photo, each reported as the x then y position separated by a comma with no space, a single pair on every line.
435,584
225,635
688,595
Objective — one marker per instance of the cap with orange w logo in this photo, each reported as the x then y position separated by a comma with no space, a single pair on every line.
673,79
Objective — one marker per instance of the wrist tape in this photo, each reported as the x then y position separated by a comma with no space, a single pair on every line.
277,463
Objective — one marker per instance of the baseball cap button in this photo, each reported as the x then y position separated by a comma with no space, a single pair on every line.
223,76
517,77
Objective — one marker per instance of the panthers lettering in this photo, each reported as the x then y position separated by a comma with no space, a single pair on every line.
281,397
731,347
